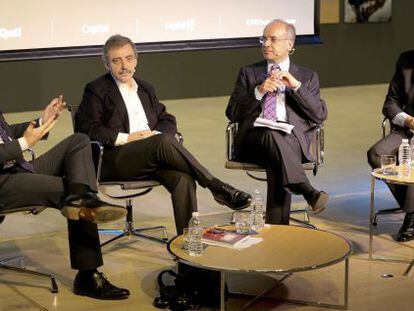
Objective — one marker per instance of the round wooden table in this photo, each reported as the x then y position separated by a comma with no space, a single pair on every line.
377,174
284,250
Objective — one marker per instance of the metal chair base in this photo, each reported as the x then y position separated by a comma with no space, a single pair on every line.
3,265
131,231
388,211
305,222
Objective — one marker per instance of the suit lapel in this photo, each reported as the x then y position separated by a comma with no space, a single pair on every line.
116,97
6,127
260,72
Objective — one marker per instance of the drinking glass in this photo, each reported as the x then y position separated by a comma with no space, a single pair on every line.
388,164
242,222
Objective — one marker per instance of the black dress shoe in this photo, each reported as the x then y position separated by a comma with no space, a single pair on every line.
231,197
317,201
97,286
88,206
406,232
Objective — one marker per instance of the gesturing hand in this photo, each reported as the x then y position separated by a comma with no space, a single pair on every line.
54,109
33,134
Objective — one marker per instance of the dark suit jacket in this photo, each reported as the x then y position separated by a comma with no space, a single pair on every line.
400,96
304,107
10,151
102,113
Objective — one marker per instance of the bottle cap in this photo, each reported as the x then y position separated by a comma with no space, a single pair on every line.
405,140
196,214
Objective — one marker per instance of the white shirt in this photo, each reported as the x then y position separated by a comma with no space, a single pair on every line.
137,119
281,114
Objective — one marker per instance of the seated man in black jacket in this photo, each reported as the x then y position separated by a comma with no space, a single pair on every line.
123,112
399,109
62,178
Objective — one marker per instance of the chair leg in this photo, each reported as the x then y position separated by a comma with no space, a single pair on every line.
138,232
3,265
385,212
304,222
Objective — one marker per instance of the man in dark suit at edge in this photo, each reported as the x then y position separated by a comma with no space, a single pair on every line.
399,110
62,178
276,89
123,112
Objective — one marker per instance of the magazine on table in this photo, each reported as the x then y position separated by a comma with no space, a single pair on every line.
219,237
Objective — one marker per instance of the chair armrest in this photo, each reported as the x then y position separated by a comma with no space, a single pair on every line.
179,137
231,133
384,125
320,144
97,154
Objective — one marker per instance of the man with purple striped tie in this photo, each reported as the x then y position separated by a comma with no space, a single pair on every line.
276,104
62,178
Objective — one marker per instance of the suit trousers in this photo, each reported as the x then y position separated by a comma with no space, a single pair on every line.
68,162
281,156
404,195
162,158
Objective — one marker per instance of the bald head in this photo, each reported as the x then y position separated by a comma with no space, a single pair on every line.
279,39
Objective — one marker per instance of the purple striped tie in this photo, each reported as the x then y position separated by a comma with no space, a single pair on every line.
269,105
24,164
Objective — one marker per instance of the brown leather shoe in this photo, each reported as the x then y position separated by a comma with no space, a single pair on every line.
318,201
89,207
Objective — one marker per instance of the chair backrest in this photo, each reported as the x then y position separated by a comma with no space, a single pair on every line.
316,150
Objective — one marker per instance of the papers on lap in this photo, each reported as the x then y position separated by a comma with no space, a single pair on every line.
281,126
229,239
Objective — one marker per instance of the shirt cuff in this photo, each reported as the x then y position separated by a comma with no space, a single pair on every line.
121,139
295,89
399,119
23,143
257,94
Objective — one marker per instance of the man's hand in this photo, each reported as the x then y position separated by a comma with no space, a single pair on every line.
270,85
33,134
140,135
54,109
409,122
287,79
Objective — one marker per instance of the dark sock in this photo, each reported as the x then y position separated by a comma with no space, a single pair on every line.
86,273
215,185
77,188
303,188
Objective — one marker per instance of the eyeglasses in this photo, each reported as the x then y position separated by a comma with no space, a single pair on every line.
272,39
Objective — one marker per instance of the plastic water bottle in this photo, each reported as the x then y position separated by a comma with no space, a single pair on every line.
256,214
412,151
404,158
195,233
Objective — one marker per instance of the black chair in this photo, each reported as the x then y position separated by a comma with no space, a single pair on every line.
316,150
386,127
138,188
4,263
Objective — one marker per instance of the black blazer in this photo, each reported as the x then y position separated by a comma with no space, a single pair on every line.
400,96
102,113
304,107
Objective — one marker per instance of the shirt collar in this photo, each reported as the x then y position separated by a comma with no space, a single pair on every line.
284,65
125,86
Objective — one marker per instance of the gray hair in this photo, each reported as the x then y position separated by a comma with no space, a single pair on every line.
116,41
289,28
